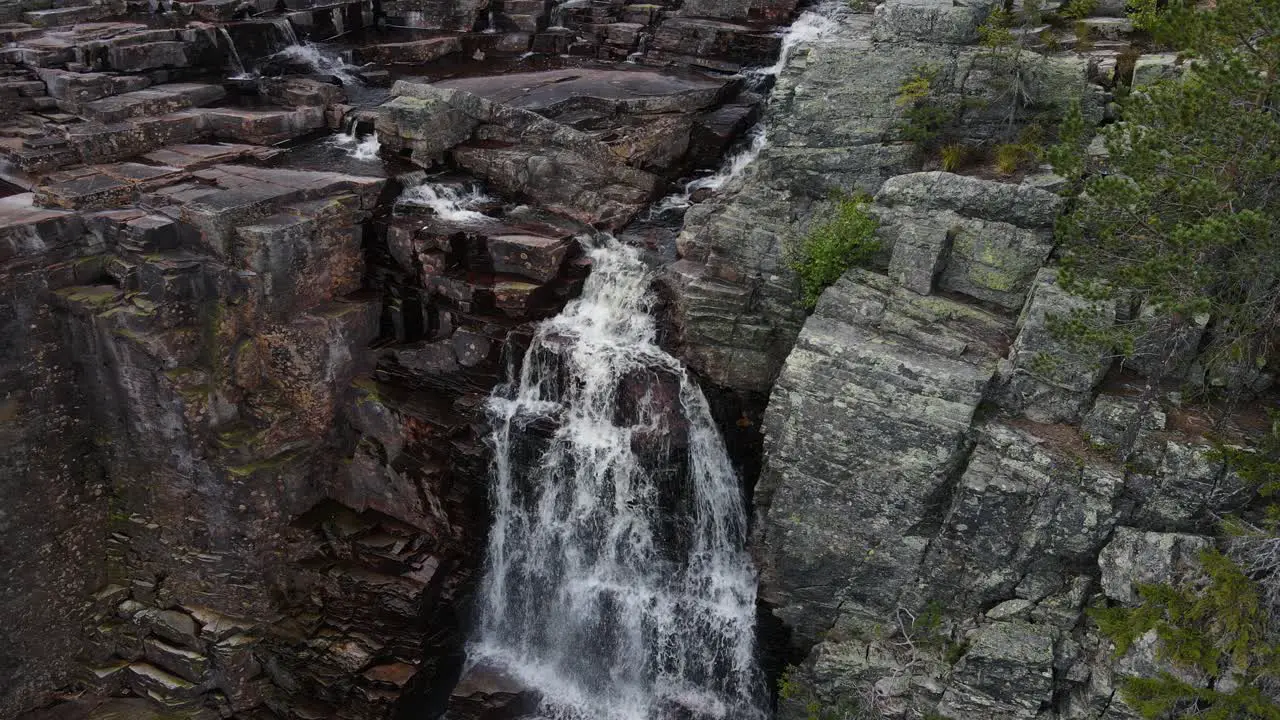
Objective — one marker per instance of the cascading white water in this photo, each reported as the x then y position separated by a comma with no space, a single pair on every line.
320,61
732,167
451,203
617,581
812,26
236,64
357,148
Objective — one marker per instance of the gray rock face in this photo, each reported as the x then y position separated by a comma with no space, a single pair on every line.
938,21
1134,557
1021,509
1007,673
1051,376
980,238
863,428
832,125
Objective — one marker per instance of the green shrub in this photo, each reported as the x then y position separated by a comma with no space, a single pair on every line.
832,247
1010,157
953,156
1078,9
1217,625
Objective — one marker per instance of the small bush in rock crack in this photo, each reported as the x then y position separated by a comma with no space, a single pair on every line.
843,241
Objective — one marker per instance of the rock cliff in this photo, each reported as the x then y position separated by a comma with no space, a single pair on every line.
938,505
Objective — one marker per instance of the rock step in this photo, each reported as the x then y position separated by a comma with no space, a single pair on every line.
247,194
66,15
148,680
196,156
155,100
103,186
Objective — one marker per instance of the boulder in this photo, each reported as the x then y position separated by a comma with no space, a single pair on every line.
1007,674
1050,376
1135,557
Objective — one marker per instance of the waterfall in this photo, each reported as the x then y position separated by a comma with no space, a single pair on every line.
286,30
452,203
810,26
617,581
366,149
733,166
236,64
557,15
493,21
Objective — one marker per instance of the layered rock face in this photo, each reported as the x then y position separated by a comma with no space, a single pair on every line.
244,471
948,484
831,128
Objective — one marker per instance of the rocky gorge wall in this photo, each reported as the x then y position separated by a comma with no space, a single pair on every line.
243,468
938,506
245,473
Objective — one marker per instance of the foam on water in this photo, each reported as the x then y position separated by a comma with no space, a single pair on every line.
321,61
617,580
452,203
811,26
358,148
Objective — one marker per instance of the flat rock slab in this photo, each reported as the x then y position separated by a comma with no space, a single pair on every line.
416,51
633,91
158,100
117,709
194,156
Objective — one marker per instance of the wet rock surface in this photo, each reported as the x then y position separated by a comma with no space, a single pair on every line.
244,385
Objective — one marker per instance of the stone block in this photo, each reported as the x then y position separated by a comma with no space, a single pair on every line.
1135,557
187,664
1050,377
1007,673
533,256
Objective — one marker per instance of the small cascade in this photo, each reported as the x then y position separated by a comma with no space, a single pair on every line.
812,25
287,32
358,149
237,65
733,166
642,47
617,582
493,21
451,203
320,61
556,21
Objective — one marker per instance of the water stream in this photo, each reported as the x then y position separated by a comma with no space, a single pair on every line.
617,583
358,148
451,203
237,65
811,26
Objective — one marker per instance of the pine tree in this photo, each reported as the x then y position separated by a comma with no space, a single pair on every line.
1183,219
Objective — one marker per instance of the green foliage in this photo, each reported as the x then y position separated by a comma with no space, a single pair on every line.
843,241
1078,9
1218,626
954,156
1011,157
1067,157
1185,220
1084,35
925,118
